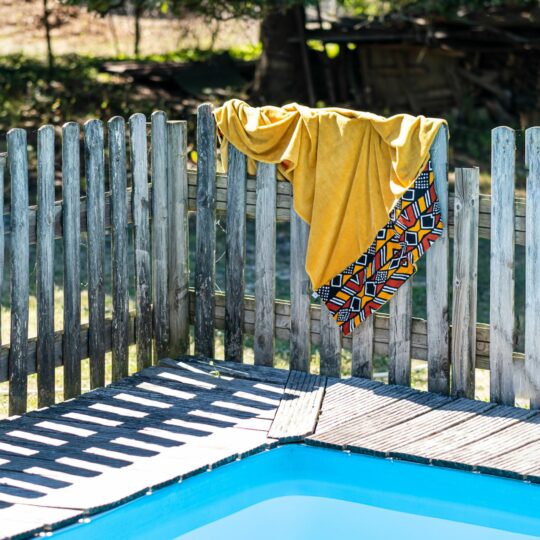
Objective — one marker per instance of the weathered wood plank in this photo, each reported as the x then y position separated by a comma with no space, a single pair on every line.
532,265
437,277
44,266
18,168
205,256
160,234
400,342
297,414
465,282
118,181
95,205
362,349
235,255
3,160
265,265
178,239
330,344
300,297
140,211
71,175
501,298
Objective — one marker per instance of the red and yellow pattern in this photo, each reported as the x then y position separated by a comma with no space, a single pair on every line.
370,281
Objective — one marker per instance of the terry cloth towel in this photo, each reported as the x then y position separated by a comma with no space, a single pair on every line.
363,182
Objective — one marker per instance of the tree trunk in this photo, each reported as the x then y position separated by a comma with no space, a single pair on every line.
47,25
139,10
279,76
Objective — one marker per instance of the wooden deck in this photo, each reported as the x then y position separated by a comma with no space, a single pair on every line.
63,463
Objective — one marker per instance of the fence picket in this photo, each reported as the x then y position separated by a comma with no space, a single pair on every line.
205,256
18,168
140,210
45,266
118,181
235,255
178,239
501,297
330,347
71,178
95,217
437,265
532,266
300,298
465,279
160,234
362,349
265,264
400,337
3,160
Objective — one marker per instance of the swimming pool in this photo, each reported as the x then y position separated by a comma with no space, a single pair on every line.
302,492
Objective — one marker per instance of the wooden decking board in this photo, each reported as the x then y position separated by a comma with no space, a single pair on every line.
299,408
183,417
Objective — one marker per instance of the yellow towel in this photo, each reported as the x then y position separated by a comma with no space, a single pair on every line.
348,169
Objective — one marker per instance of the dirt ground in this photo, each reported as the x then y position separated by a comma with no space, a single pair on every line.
21,31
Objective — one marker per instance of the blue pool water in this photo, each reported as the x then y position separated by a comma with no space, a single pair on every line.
301,492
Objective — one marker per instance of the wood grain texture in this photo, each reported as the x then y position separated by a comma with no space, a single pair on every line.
95,219
235,255
140,209
265,265
465,282
71,177
18,168
160,235
300,341
501,295
532,265
205,255
118,181
363,348
437,265
330,344
45,266
400,335
3,161
178,239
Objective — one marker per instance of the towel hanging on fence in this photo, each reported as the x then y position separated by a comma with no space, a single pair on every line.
363,182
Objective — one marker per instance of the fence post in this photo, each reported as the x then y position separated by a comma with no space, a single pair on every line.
160,235
235,255
178,239
205,257
95,217
400,334
18,351
532,265
501,297
71,226
45,266
437,266
3,159
465,282
362,348
330,347
265,264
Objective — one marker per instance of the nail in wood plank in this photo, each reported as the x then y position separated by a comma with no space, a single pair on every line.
501,300
178,239
205,256
532,265
437,266
44,265
465,281
18,168
95,217
71,175
265,264
118,180
140,211
235,255
160,234
300,296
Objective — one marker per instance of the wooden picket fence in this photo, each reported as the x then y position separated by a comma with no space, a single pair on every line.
166,306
